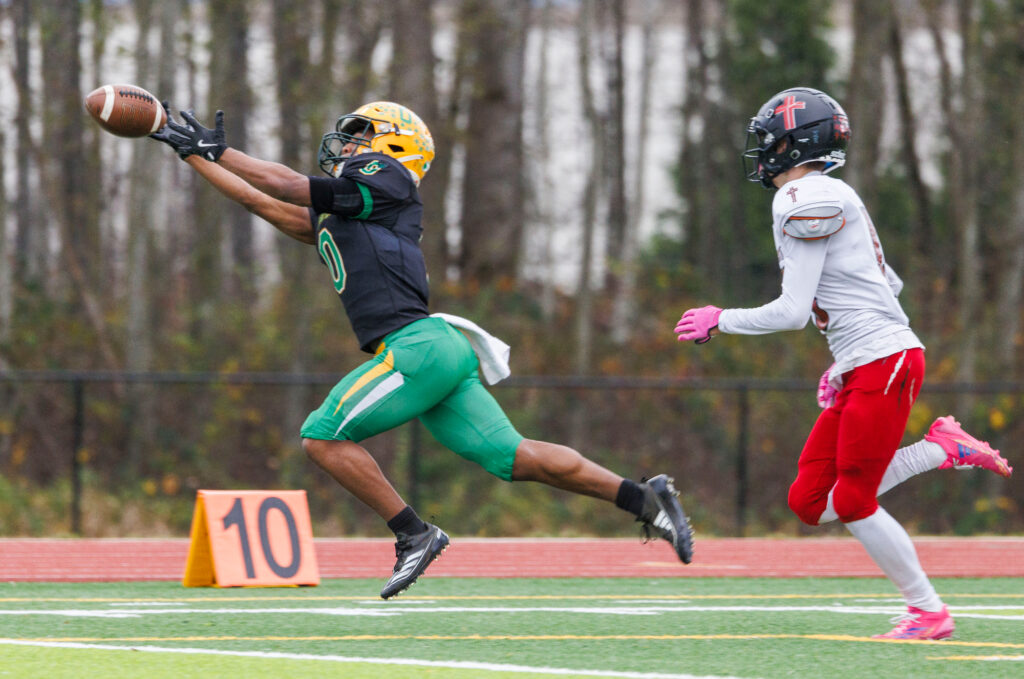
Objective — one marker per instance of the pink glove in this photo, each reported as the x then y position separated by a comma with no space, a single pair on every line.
826,392
697,324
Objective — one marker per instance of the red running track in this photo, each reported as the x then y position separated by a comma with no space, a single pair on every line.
79,560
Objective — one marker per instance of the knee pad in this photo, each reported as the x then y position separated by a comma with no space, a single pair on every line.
853,503
807,509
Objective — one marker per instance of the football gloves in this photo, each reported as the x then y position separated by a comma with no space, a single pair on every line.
176,141
697,324
826,392
192,139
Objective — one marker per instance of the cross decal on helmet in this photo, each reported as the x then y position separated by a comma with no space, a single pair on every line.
788,109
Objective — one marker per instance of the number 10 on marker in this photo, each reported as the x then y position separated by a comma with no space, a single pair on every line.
251,538
236,517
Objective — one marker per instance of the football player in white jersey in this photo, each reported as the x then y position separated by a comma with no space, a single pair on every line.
834,272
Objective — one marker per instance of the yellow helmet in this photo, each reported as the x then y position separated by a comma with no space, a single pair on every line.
381,126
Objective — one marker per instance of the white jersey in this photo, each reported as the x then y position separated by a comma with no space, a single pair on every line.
836,276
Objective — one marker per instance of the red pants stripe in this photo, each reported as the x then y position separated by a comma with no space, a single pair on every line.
854,441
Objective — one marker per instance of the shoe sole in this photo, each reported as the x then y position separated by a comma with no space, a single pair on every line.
445,541
685,538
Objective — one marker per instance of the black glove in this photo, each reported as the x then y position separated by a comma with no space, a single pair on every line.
199,140
180,143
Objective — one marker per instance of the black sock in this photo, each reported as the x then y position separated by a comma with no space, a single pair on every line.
407,521
630,497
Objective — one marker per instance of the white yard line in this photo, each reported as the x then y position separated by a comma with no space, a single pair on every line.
403,609
462,665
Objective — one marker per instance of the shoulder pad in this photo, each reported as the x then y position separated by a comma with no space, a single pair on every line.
382,173
809,207
814,222
367,165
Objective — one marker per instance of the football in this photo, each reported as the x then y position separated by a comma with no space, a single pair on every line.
126,110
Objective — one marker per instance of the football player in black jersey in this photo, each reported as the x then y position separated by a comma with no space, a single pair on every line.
365,220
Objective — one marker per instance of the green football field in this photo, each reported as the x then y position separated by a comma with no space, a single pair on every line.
463,628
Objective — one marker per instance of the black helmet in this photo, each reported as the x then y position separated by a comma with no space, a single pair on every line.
796,126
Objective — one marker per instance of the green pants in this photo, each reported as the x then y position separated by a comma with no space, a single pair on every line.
426,370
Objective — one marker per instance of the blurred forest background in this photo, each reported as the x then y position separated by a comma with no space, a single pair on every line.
587,189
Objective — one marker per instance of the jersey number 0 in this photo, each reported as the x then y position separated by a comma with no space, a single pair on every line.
332,256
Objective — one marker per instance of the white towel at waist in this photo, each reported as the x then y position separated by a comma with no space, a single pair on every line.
491,351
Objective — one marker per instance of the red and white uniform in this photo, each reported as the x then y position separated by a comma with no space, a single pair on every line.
838,270
834,272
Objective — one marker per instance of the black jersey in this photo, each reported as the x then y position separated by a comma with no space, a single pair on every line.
368,224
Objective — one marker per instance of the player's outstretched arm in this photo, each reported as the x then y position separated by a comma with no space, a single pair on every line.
190,137
274,179
291,220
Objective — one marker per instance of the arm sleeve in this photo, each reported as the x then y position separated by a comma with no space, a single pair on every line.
792,309
341,196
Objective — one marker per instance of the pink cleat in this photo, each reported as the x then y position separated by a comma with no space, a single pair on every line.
963,450
918,624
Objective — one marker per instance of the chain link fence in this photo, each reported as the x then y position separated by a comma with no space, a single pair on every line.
122,454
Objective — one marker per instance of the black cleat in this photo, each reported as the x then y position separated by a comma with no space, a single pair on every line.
663,516
414,552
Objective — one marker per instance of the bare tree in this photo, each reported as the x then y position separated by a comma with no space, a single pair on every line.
596,126
292,33
865,95
348,32
615,159
203,277
361,24
139,350
492,206
960,121
1010,298
70,182
29,250
64,128
323,110
699,221
411,72
624,309
300,270
412,83
181,289
921,265
540,199
145,266
6,270
96,17
229,87
6,304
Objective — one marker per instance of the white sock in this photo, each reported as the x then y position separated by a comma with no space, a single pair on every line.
910,461
890,547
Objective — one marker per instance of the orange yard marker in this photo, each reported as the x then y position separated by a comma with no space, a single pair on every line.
260,538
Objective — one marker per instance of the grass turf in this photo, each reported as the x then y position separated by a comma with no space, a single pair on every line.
736,627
